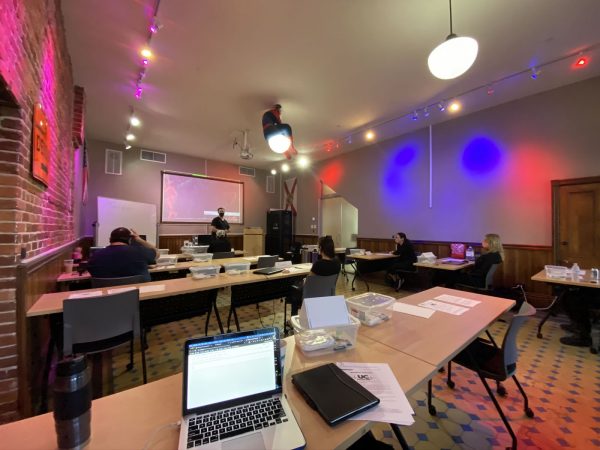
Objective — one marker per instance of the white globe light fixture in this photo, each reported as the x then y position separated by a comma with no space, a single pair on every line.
279,143
454,56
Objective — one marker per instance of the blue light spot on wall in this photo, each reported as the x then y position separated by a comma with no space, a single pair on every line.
481,156
398,161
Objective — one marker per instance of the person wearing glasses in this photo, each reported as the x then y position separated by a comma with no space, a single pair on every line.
406,257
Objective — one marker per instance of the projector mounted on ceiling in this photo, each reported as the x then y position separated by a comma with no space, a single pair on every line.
245,152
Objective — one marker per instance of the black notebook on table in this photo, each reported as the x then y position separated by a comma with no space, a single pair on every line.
333,393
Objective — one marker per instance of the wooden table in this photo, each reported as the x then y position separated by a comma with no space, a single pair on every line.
127,420
439,264
562,284
373,262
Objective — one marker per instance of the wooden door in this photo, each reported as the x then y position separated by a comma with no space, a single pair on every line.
576,205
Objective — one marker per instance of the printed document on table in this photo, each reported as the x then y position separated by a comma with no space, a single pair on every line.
444,307
379,379
457,300
413,310
152,288
86,294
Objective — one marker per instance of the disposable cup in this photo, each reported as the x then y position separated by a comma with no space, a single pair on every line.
68,265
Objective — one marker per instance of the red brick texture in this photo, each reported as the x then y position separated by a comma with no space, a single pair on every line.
35,67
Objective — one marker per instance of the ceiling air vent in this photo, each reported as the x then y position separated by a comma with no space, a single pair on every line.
113,162
247,171
157,157
270,184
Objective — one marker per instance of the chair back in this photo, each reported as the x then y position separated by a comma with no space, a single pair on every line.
319,286
489,277
266,261
108,282
509,345
457,251
223,255
94,322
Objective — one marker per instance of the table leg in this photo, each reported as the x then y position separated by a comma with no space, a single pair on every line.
551,311
399,436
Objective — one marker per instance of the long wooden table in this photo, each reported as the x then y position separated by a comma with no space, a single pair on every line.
443,264
129,419
562,285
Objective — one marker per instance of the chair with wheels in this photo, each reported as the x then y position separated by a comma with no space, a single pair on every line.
108,282
348,261
495,363
98,324
314,286
489,282
223,255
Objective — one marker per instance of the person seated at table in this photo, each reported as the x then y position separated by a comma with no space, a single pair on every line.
326,265
406,257
493,253
126,256
219,242
578,302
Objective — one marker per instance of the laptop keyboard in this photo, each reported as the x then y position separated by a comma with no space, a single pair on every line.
231,422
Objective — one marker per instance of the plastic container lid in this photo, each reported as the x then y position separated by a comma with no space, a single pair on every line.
370,300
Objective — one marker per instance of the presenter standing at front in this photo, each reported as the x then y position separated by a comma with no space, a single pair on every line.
219,223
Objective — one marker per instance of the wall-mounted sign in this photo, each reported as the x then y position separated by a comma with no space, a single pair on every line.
40,145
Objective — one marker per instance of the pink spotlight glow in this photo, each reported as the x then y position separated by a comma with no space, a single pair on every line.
145,61
138,92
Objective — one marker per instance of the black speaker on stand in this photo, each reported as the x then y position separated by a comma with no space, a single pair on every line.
279,232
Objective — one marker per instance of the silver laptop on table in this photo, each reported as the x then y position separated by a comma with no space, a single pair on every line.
232,394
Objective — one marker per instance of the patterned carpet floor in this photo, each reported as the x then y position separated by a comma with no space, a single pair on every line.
563,385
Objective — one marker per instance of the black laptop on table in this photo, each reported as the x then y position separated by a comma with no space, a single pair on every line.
232,394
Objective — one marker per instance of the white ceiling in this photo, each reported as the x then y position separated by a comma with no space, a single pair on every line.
336,66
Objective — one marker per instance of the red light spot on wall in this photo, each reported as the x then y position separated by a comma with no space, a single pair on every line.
332,173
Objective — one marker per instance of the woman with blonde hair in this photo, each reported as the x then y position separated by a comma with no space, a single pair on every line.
493,253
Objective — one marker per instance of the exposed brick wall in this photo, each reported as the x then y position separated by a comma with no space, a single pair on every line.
34,67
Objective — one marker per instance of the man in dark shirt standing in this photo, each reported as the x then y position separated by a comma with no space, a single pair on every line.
127,255
219,223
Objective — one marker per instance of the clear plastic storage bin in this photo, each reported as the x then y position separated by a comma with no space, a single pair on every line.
201,272
163,251
203,257
166,260
236,268
193,249
325,340
556,271
370,308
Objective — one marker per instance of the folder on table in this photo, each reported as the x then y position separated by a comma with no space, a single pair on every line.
333,393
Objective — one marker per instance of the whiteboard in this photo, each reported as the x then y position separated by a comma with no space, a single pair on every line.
114,213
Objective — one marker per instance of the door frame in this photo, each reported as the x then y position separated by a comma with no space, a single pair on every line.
556,185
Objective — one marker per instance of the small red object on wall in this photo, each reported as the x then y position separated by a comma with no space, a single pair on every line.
40,145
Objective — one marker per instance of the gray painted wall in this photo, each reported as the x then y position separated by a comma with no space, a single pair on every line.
141,182
491,171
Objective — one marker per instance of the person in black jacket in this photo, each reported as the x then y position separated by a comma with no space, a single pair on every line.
493,253
406,257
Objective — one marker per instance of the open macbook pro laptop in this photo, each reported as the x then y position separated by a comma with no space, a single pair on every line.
232,394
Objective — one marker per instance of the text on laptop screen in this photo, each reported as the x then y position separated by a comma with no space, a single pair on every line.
227,369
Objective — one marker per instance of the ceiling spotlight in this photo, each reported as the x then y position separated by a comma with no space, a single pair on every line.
415,116
581,62
535,73
156,25
490,90
277,134
426,112
134,121
145,61
273,172
349,140
303,162
138,92
146,53
127,146
130,137
285,167
454,56
441,107
369,135
454,106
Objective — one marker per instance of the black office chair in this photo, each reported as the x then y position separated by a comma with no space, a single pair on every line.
489,282
223,255
348,261
97,324
495,363
314,286
266,261
120,281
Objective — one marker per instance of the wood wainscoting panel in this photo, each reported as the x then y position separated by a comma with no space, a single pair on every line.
34,278
520,261
175,242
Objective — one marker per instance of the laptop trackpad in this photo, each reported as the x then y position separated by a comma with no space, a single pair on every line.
252,441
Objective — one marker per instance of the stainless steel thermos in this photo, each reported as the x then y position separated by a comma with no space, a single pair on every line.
72,403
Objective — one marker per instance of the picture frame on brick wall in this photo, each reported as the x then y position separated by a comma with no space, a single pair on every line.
40,157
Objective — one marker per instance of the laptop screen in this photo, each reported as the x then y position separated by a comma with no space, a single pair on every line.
224,368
